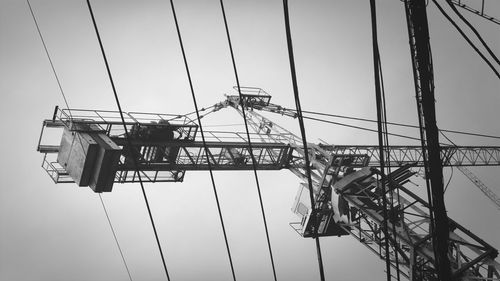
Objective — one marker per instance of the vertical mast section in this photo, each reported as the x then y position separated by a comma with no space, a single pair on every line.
418,31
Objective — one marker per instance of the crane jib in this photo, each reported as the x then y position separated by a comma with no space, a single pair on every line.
94,151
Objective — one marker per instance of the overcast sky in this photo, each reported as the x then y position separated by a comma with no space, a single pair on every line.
59,232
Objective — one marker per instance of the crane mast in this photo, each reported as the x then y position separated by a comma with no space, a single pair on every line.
346,185
420,49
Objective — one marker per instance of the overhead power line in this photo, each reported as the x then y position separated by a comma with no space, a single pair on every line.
359,127
69,111
114,235
127,137
225,125
48,57
488,49
395,124
475,11
383,140
254,162
197,111
467,38
303,134
293,113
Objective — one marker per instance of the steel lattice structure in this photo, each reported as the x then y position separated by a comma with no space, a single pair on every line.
345,178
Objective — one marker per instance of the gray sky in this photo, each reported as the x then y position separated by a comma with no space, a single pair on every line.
59,232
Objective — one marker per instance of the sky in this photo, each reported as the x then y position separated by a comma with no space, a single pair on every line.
60,232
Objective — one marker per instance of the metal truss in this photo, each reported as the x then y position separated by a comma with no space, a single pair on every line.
399,155
162,156
347,194
479,12
484,189
471,258
276,147
345,204
164,146
402,155
110,123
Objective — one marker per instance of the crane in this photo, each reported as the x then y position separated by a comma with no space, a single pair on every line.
478,11
347,187
484,189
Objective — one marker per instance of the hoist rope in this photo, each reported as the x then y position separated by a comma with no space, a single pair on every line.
303,135
254,163
203,139
134,160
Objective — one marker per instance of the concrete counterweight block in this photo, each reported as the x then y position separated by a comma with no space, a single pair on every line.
90,158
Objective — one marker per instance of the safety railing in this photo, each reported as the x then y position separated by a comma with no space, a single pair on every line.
56,172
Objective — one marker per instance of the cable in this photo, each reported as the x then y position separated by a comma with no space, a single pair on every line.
388,151
355,118
114,235
394,124
254,162
475,11
69,111
226,125
382,136
127,137
283,110
448,139
473,30
358,127
466,38
202,109
449,180
203,138
303,135
483,188
48,56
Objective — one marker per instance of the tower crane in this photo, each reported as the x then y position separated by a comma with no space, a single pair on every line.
347,188
346,185
484,189
475,10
